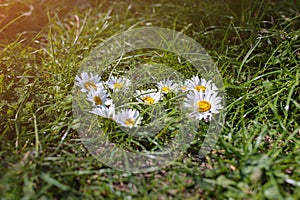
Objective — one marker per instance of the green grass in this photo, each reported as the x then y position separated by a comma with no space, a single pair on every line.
256,47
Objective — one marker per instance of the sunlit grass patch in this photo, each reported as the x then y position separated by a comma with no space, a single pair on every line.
256,49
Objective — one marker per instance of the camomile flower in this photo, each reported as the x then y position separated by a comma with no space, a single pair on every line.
103,111
87,81
118,83
203,104
150,96
128,118
182,87
199,84
166,86
98,97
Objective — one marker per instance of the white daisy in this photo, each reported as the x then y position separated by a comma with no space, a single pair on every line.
166,86
150,96
182,87
98,97
199,84
202,104
104,111
128,118
86,81
118,83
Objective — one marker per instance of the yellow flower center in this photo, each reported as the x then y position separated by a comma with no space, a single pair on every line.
200,87
88,85
129,122
97,100
148,100
118,85
203,106
165,89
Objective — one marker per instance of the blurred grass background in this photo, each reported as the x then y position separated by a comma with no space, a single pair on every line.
256,47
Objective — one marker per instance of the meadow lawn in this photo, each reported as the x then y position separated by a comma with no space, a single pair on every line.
256,46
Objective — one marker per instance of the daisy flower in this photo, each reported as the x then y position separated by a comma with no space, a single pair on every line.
148,96
166,86
128,118
86,81
118,83
98,97
203,104
104,111
199,84
182,87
